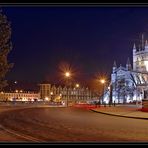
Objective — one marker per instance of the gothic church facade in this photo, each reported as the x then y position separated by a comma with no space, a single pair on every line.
130,84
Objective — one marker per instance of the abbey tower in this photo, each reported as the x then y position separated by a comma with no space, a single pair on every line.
140,56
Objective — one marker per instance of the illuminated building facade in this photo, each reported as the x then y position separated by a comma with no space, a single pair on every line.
58,93
19,96
45,91
48,92
130,84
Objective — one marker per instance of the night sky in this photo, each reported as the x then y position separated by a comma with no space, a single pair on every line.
88,38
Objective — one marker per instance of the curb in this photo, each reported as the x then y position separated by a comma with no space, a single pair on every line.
119,115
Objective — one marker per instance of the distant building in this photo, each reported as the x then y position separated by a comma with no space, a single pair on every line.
52,92
48,92
45,91
130,84
19,96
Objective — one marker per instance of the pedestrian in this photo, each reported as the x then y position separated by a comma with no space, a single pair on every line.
99,103
114,103
104,104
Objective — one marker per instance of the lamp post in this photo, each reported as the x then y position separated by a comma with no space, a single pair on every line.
67,76
103,83
110,88
51,98
77,91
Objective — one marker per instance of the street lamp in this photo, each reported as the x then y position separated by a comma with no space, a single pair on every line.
77,85
51,98
67,76
103,81
77,91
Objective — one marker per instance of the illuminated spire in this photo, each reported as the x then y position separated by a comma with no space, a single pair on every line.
146,45
128,64
128,60
134,47
142,41
114,66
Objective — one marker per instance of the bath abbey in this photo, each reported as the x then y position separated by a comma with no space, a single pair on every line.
129,83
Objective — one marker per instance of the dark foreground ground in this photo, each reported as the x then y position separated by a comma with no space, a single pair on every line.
51,124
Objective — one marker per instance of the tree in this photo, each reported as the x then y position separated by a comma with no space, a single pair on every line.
5,48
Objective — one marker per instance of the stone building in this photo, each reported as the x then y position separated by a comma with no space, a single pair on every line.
130,84
19,95
73,94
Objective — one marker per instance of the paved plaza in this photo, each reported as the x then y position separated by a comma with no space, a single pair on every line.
129,111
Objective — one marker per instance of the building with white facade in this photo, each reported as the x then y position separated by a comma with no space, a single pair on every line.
129,84
19,96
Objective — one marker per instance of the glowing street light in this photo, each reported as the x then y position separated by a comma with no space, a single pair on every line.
77,85
67,75
46,98
102,81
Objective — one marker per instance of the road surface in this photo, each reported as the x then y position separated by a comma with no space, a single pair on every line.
49,124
